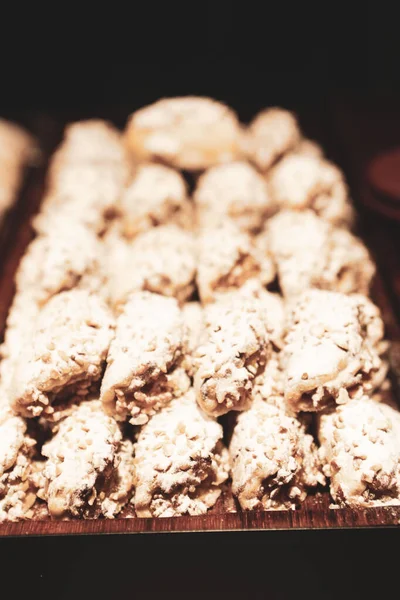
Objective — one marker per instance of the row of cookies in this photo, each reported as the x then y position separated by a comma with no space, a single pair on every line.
333,348
17,149
250,328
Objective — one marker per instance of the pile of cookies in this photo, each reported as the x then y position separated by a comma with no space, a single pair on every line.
17,149
145,311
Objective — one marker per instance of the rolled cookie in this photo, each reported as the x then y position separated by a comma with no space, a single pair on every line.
227,259
187,133
157,195
360,449
17,149
299,182
17,494
234,350
272,134
333,351
236,191
93,141
274,461
180,461
58,261
310,252
144,369
161,260
86,193
66,353
89,469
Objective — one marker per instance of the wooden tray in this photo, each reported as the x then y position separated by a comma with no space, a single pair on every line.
314,513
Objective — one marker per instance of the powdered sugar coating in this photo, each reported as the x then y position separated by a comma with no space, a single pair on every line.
236,191
360,448
156,195
161,260
227,259
81,457
144,361
300,181
58,261
86,193
274,460
66,354
272,133
17,495
309,252
180,461
188,133
233,351
333,350
93,141
193,318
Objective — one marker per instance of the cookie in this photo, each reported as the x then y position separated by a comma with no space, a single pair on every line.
180,461
333,350
144,364
187,133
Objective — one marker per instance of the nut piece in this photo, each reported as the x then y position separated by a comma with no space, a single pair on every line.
274,461
360,448
157,195
271,134
301,182
188,133
227,259
235,190
17,494
161,260
66,353
233,352
333,350
81,475
180,461
144,361
310,252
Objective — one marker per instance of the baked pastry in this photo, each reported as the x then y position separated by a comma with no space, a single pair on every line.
89,468
180,461
360,448
333,350
58,261
187,133
160,260
234,190
227,258
65,355
299,181
94,141
193,318
86,193
157,195
17,149
17,493
272,134
233,351
144,364
310,252
274,461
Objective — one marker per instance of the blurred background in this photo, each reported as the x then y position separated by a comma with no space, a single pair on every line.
248,54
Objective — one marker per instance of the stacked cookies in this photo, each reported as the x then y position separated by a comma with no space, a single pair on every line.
144,313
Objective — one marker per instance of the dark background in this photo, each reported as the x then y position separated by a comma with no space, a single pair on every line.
70,61
249,54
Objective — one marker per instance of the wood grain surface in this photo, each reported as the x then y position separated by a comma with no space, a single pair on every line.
335,128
